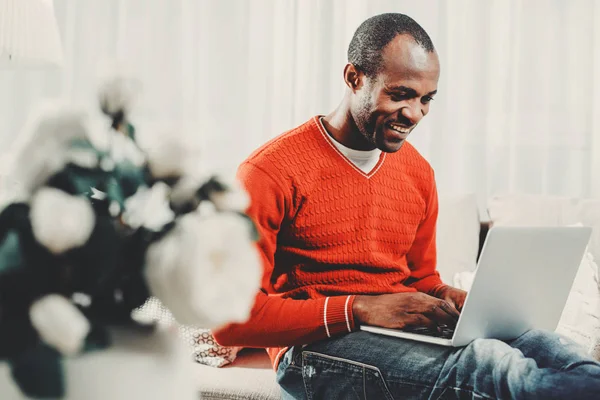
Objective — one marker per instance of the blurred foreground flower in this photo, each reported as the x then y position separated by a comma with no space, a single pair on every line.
201,269
59,220
59,323
98,226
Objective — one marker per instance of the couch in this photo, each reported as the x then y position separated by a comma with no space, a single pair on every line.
461,235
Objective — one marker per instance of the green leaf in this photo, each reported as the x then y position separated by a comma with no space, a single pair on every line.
10,253
129,178
38,372
131,131
97,339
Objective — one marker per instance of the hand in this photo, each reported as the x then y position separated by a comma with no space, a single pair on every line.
404,310
452,295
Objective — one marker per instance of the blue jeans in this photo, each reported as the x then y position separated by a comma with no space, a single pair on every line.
362,365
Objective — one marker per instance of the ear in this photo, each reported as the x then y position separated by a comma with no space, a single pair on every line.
353,77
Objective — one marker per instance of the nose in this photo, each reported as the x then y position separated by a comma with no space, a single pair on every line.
412,112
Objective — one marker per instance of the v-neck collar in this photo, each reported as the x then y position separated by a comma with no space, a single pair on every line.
329,140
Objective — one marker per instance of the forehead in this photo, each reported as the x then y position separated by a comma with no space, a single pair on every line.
404,61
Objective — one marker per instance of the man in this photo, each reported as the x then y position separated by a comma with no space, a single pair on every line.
347,210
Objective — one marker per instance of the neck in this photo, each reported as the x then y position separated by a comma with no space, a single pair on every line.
341,126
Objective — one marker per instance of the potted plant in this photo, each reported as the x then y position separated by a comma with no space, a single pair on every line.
97,226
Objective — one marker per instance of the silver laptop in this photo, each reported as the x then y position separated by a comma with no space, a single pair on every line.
522,282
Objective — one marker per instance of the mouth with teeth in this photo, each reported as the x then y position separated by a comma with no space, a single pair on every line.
398,132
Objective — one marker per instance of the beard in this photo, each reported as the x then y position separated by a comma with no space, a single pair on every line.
365,120
376,133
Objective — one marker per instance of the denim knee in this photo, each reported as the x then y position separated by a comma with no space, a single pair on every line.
539,335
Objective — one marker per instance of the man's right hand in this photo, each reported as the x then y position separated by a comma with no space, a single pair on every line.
404,310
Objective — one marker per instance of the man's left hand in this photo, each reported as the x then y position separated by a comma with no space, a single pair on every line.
452,295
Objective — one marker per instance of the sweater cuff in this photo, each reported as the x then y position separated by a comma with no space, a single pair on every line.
435,291
337,315
430,284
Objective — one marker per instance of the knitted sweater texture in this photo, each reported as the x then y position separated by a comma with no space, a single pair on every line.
330,232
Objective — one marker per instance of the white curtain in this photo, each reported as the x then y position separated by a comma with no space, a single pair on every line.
518,108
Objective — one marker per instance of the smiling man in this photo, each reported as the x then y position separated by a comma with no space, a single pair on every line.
347,211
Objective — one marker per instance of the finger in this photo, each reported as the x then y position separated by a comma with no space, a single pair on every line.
431,306
460,304
450,309
463,298
457,300
444,314
453,303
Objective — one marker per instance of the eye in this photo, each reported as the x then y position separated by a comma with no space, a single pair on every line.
398,96
426,99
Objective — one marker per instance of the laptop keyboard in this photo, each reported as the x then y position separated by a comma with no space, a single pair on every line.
444,332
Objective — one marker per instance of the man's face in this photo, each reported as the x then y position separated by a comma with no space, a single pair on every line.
388,106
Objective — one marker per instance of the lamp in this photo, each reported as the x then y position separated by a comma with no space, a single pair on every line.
29,34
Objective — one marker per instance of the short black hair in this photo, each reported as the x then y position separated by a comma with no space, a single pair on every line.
366,46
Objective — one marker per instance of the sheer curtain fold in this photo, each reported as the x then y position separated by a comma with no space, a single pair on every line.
518,108
595,104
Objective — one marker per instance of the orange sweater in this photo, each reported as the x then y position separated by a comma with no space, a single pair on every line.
329,232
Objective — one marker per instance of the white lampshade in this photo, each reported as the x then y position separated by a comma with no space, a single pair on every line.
29,34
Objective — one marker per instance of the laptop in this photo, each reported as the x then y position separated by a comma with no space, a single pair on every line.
522,281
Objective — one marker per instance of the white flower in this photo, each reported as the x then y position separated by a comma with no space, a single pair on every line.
42,149
149,207
59,323
61,221
233,198
81,299
117,92
170,156
85,158
206,271
185,190
10,189
224,191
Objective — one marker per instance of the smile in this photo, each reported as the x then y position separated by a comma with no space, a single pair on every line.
399,128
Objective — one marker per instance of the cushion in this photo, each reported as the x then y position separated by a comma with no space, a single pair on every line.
204,348
457,235
580,319
589,215
537,210
250,377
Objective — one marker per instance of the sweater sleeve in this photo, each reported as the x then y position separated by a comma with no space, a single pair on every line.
422,257
275,321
